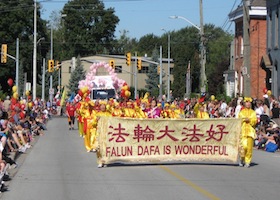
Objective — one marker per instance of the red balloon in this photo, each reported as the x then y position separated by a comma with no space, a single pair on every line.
80,93
12,106
13,101
265,90
10,82
22,106
22,115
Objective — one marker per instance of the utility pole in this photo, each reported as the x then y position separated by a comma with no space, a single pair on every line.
17,64
51,78
35,51
43,78
247,49
188,80
135,76
160,75
203,78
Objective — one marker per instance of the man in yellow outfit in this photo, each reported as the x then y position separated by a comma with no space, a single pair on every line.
248,133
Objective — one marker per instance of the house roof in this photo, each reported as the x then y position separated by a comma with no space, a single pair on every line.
257,8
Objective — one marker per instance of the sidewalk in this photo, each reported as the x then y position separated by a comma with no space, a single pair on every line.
19,158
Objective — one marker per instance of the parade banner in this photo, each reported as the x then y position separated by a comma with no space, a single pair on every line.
166,140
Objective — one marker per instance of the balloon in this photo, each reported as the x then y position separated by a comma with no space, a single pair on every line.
13,101
264,90
125,87
22,106
84,89
14,88
212,97
12,106
10,82
15,95
269,92
80,93
30,104
123,93
27,92
22,115
127,93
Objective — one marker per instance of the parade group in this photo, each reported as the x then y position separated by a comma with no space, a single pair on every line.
250,110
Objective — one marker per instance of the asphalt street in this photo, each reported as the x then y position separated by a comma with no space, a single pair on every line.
59,168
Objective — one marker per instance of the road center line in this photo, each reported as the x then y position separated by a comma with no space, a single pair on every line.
190,183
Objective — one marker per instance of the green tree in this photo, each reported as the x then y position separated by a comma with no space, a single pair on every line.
17,22
88,27
153,78
124,44
218,52
185,48
147,43
77,75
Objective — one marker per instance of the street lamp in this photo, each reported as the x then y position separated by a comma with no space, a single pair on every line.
42,38
168,69
203,79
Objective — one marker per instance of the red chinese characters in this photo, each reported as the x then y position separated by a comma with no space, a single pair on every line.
216,135
118,134
166,132
192,134
146,134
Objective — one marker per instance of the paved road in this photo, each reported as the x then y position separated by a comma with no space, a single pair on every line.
59,168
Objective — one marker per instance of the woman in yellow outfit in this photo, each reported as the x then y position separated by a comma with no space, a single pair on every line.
102,112
129,110
248,133
88,125
201,113
173,113
116,110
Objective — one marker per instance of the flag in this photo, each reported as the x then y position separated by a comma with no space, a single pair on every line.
62,100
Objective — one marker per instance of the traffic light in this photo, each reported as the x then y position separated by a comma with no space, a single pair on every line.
139,64
112,64
4,48
57,65
128,59
158,69
50,66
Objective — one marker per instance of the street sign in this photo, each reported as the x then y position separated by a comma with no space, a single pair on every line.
28,86
51,91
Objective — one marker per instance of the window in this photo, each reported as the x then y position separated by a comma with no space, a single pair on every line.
144,70
269,31
69,69
241,47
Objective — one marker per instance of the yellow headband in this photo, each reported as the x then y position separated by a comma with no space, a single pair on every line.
248,99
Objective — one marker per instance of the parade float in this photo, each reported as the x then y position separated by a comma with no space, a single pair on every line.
102,87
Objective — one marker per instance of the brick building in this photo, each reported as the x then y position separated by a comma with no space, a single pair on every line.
257,75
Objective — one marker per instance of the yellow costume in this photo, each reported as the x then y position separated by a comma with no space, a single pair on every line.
199,111
88,121
247,136
116,110
129,111
103,112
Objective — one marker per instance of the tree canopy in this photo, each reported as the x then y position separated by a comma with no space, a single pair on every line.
88,27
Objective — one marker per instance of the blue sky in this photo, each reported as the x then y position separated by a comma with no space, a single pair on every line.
141,17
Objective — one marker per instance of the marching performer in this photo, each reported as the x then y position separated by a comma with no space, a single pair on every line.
248,133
